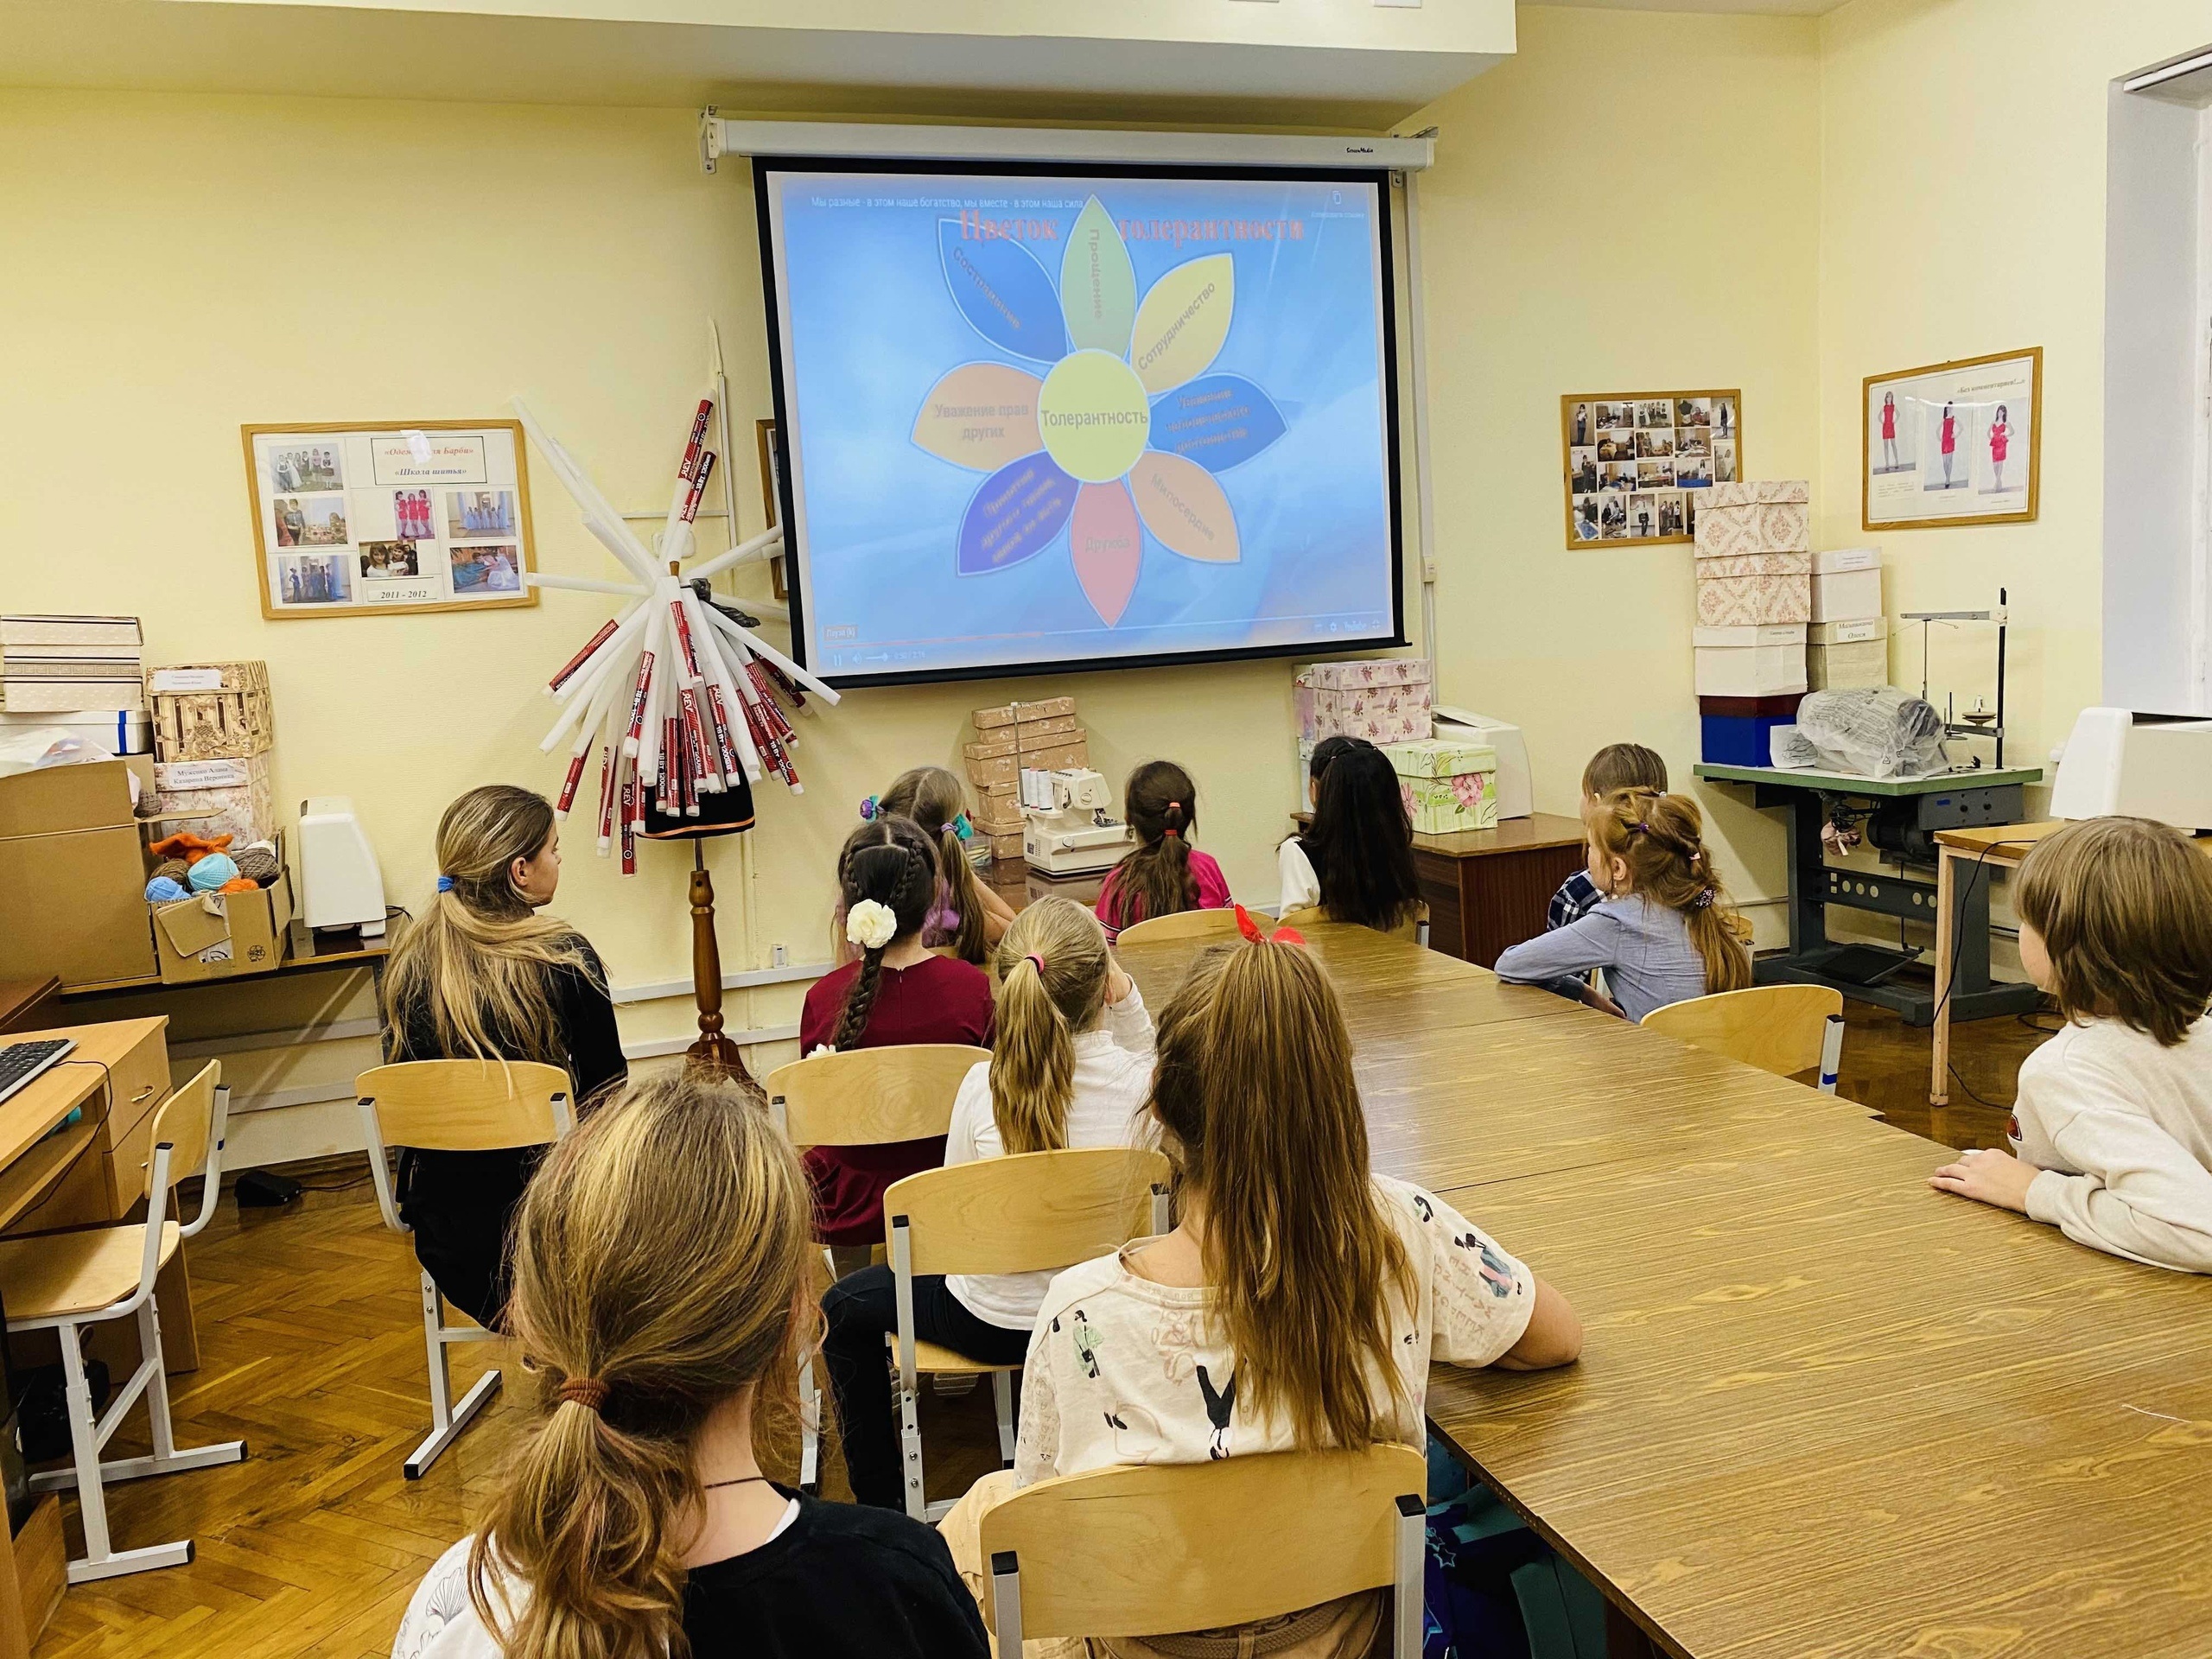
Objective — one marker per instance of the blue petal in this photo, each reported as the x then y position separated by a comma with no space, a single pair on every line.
1004,293
1219,421
1013,515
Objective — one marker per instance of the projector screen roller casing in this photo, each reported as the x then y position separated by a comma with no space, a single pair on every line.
1051,417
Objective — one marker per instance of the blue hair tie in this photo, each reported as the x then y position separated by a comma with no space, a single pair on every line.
445,884
960,826
868,810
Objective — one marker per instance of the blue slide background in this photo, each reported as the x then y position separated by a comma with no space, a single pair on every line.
870,326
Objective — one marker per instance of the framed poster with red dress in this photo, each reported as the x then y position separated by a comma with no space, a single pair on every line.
1954,443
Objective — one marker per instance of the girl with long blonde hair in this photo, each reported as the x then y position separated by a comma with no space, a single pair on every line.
482,976
1663,931
1070,1068
660,1302
1299,1299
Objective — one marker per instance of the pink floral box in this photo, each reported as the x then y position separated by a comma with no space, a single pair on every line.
1746,493
1374,670
1745,601
1762,527
1755,564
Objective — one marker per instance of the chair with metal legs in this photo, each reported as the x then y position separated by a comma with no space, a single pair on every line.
67,1282
454,1106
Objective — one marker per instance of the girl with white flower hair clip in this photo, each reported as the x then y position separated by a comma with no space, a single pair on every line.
897,990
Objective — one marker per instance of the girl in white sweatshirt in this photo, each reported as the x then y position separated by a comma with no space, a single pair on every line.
1071,1067
2111,1132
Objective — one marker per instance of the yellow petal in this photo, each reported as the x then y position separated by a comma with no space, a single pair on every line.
981,416
1183,321
1184,508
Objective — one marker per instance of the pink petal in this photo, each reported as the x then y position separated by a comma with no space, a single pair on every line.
1108,544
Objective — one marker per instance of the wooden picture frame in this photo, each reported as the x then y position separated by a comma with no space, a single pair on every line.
358,499
1900,483
1589,425
772,497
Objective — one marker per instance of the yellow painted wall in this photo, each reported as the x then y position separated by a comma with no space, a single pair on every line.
191,262
1627,205
1963,212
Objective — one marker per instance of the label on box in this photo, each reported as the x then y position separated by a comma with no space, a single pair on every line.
1839,559
202,775
1850,634
220,951
187,679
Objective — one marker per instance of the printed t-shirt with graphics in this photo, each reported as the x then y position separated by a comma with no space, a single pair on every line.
1123,1371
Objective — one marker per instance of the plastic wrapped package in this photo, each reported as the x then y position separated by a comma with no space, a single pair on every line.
1882,733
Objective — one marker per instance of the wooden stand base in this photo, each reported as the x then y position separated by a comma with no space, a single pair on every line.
714,1053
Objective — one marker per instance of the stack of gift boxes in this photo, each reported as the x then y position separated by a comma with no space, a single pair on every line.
1448,784
1775,619
1013,738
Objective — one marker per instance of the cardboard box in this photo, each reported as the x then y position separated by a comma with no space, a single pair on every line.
25,696
1753,670
1741,602
998,815
1851,595
1446,784
1837,560
996,769
999,743
987,720
1006,846
1746,492
224,935
1379,701
217,798
75,901
1856,631
212,711
1048,709
1861,665
1058,757
1725,638
119,731
1373,671
1031,736
1758,527
1754,564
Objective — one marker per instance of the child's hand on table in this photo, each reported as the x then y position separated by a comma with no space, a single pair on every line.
1989,1177
1118,984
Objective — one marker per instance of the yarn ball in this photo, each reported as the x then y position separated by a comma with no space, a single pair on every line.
174,868
165,890
209,873
240,884
258,864
264,845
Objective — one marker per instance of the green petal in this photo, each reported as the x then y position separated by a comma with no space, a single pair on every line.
1098,286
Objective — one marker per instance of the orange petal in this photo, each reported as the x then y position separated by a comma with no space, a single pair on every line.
1182,505
981,416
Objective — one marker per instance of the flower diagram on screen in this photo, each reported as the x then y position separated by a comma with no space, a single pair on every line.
1125,431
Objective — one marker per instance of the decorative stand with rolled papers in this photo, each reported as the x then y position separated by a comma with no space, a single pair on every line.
701,723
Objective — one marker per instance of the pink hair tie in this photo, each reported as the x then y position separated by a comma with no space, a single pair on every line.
1036,958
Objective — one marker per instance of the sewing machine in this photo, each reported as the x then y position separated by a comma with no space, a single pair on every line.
1064,828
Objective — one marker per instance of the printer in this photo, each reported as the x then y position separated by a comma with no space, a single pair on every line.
2136,765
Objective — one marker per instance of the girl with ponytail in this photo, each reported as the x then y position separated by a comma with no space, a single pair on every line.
1071,1068
896,991
1299,1299
660,1302
1664,930
968,918
483,976
1166,874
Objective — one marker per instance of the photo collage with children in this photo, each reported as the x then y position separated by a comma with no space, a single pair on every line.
1635,464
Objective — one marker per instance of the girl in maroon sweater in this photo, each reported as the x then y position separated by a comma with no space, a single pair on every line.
898,992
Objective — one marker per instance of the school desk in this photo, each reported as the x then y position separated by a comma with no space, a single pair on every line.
1982,851
1822,1408
1951,800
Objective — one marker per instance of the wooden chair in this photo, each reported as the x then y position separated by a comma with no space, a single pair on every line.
1026,1212
1158,1548
1784,1029
454,1106
1202,924
866,1098
1413,930
63,1282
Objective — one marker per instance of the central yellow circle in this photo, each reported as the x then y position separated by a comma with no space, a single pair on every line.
1095,416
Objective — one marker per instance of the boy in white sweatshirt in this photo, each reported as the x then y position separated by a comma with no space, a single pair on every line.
2111,1132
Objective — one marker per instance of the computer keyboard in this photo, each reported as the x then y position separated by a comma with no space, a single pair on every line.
20,1062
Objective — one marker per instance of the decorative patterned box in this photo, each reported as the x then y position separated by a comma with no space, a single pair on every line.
1384,700
1739,601
1446,784
1030,735
984,771
218,797
1754,564
1750,491
212,711
1756,527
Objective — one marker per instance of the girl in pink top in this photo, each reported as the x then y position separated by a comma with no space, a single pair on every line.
1166,874
2001,441
1889,431
1950,443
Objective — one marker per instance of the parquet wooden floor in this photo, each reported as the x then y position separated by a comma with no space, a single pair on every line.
311,1350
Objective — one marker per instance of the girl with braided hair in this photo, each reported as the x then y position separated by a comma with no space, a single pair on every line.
897,991
1664,931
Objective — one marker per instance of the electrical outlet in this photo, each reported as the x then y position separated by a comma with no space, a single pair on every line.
780,958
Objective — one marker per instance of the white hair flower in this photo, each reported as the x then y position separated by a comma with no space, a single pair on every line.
871,926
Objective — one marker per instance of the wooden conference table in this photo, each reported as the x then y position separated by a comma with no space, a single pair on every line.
1822,1408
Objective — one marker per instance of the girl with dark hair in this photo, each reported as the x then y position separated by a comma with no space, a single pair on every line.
1356,859
1166,874
969,917
897,991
